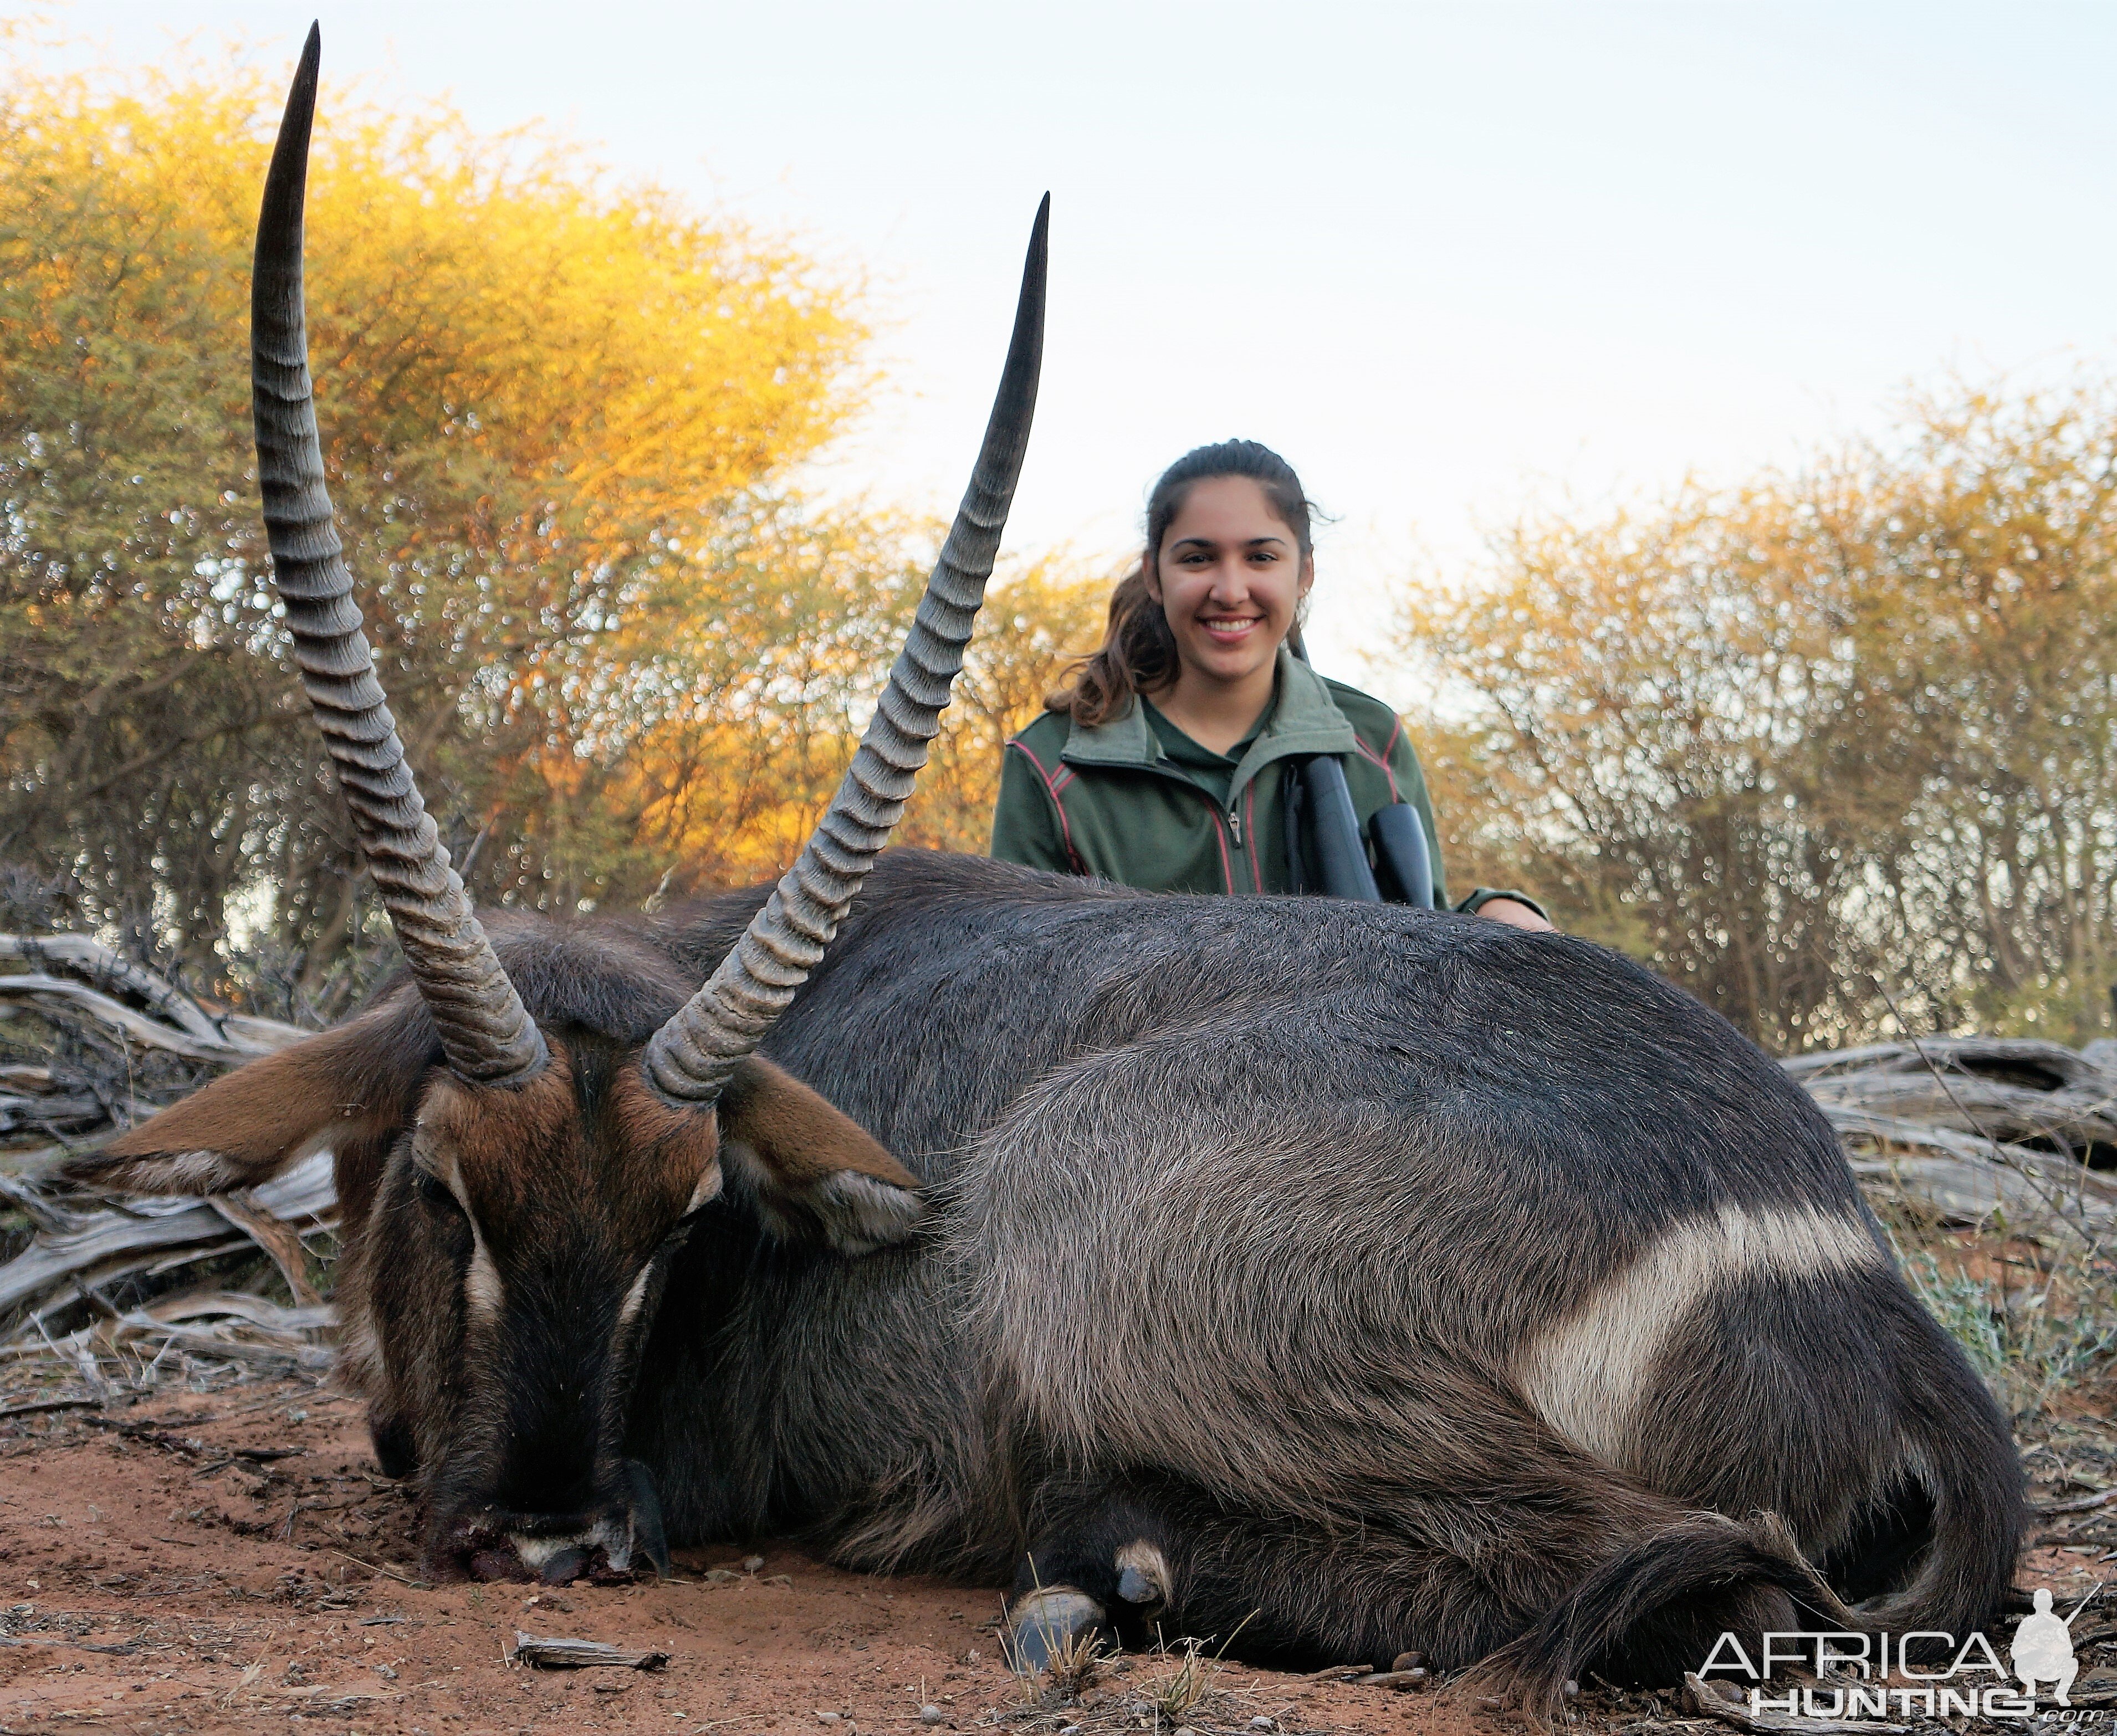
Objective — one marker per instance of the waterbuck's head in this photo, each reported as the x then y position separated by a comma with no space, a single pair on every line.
524,1132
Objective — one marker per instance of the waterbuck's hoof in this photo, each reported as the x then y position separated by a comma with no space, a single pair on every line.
1142,1578
1045,1623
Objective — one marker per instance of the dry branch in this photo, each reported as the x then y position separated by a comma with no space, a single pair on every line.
31,989
1702,1698
1943,1124
2004,1088
130,1028
108,1017
276,1235
102,969
1965,1180
88,1239
565,1654
1995,1057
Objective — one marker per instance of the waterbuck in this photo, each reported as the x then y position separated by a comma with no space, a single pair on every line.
1360,1278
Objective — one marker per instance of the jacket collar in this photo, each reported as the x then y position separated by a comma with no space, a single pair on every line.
1305,720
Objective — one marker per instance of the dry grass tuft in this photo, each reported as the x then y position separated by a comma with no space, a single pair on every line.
1074,1669
1176,1694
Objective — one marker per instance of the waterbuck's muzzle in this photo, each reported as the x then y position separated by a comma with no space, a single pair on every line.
615,1539
534,1481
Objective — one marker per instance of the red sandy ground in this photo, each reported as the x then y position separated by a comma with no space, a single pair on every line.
154,1580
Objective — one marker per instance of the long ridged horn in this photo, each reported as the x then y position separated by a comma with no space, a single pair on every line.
486,1034
689,1059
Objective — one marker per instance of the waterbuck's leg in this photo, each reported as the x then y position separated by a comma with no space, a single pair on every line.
1127,1560
1097,1570
1130,1559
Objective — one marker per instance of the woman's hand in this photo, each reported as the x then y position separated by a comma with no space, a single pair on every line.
1516,914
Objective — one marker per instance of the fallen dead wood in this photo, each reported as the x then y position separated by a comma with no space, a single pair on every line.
132,1346
279,1239
34,990
240,1304
37,1406
102,969
121,1041
2079,1504
1978,1130
77,965
1706,1701
565,1654
1965,1181
225,1344
2036,1060
2004,1088
72,1241
107,1017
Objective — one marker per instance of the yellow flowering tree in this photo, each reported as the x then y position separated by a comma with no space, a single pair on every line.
1826,741
543,395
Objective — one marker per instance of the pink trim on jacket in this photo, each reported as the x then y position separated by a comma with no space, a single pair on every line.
1051,787
1382,759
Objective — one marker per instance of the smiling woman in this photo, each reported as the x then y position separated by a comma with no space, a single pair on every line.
1163,763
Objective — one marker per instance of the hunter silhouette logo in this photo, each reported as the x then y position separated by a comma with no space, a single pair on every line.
1934,1676
2042,1651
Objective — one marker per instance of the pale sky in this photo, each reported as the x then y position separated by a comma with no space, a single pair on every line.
1455,262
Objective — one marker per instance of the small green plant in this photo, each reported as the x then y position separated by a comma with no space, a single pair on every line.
1963,1304
2030,1343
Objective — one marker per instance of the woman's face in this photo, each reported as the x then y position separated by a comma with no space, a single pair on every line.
1229,577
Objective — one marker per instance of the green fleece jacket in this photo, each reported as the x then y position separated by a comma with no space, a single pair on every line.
1109,801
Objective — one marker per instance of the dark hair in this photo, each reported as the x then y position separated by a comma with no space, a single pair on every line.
1138,651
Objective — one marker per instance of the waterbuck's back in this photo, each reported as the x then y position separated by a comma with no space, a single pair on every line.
1220,1173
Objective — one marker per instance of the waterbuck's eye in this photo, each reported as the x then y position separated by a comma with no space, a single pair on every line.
431,1189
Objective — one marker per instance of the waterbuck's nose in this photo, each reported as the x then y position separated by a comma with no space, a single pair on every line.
613,1540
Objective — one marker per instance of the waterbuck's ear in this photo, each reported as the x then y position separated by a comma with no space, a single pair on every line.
819,1176
342,1086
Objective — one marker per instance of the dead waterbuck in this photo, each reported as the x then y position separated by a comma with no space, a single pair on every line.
1361,1278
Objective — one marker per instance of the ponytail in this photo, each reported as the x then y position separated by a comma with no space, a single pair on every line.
1137,656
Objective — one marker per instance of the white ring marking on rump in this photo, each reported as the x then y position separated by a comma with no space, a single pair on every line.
1587,1373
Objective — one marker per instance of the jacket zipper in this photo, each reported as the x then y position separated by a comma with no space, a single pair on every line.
1232,818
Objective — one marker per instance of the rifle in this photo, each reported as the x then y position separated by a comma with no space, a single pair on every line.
1319,806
